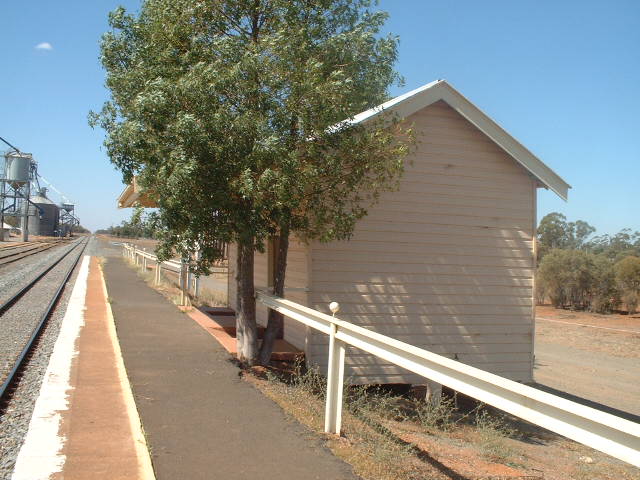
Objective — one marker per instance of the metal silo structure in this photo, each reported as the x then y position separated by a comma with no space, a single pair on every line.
18,168
68,220
46,214
15,186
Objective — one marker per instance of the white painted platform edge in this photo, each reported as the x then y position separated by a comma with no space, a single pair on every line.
41,454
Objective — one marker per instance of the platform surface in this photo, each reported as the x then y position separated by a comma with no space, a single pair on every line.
85,424
201,420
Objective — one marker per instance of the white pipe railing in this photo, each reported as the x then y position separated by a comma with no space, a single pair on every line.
138,257
615,436
602,431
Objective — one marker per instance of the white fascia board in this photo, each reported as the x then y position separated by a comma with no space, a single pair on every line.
403,102
509,144
409,103
127,197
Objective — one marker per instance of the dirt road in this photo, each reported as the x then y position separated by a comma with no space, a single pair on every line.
595,357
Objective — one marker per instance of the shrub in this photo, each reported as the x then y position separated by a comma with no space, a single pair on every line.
627,272
630,301
567,277
605,295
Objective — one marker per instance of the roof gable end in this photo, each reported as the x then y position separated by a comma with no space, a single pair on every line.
411,102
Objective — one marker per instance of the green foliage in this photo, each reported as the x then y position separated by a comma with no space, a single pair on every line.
578,272
579,280
235,115
232,112
565,276
79,229
555,232
605,295
618,246
139,226
627,273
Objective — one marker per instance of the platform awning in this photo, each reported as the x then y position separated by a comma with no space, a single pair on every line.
132,197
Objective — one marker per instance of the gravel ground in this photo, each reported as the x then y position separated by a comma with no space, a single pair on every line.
14,275
13,251
15,418
595,364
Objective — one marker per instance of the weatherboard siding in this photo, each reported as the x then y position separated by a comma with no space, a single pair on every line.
296,290
445,263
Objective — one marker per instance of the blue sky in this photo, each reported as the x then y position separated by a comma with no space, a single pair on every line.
562,77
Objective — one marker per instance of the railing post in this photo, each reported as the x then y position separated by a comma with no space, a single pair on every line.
157,272
144,261
183,281
335,380
196,278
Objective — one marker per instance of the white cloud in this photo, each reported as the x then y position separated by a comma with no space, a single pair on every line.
44,46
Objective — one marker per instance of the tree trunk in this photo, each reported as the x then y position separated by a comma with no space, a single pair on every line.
246,329
276,320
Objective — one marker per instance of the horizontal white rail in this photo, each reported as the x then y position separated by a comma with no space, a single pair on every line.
615,436
134,253
143,253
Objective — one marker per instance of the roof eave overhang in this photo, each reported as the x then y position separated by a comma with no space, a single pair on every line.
408,104
124,200
131,197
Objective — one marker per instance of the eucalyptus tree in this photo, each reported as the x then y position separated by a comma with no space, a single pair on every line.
237,116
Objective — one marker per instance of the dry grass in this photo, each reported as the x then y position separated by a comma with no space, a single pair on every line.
372,453
210,298
389,436
379,427
386,435
169,288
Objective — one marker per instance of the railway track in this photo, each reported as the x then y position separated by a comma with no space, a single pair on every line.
52,279
12,253
8,246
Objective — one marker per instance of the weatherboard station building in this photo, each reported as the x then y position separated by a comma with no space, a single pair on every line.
445,263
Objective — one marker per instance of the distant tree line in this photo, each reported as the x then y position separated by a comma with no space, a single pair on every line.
79,229
140,225
578,271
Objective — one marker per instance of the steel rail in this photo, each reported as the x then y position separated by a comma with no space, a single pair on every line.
14,256
15,245
17,251
6,252
15,297
43,319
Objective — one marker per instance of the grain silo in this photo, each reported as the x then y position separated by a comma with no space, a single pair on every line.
44,220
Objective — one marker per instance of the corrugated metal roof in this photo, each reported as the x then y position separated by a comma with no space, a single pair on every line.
40,197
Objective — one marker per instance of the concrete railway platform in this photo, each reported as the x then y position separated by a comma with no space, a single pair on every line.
85,423
163,374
